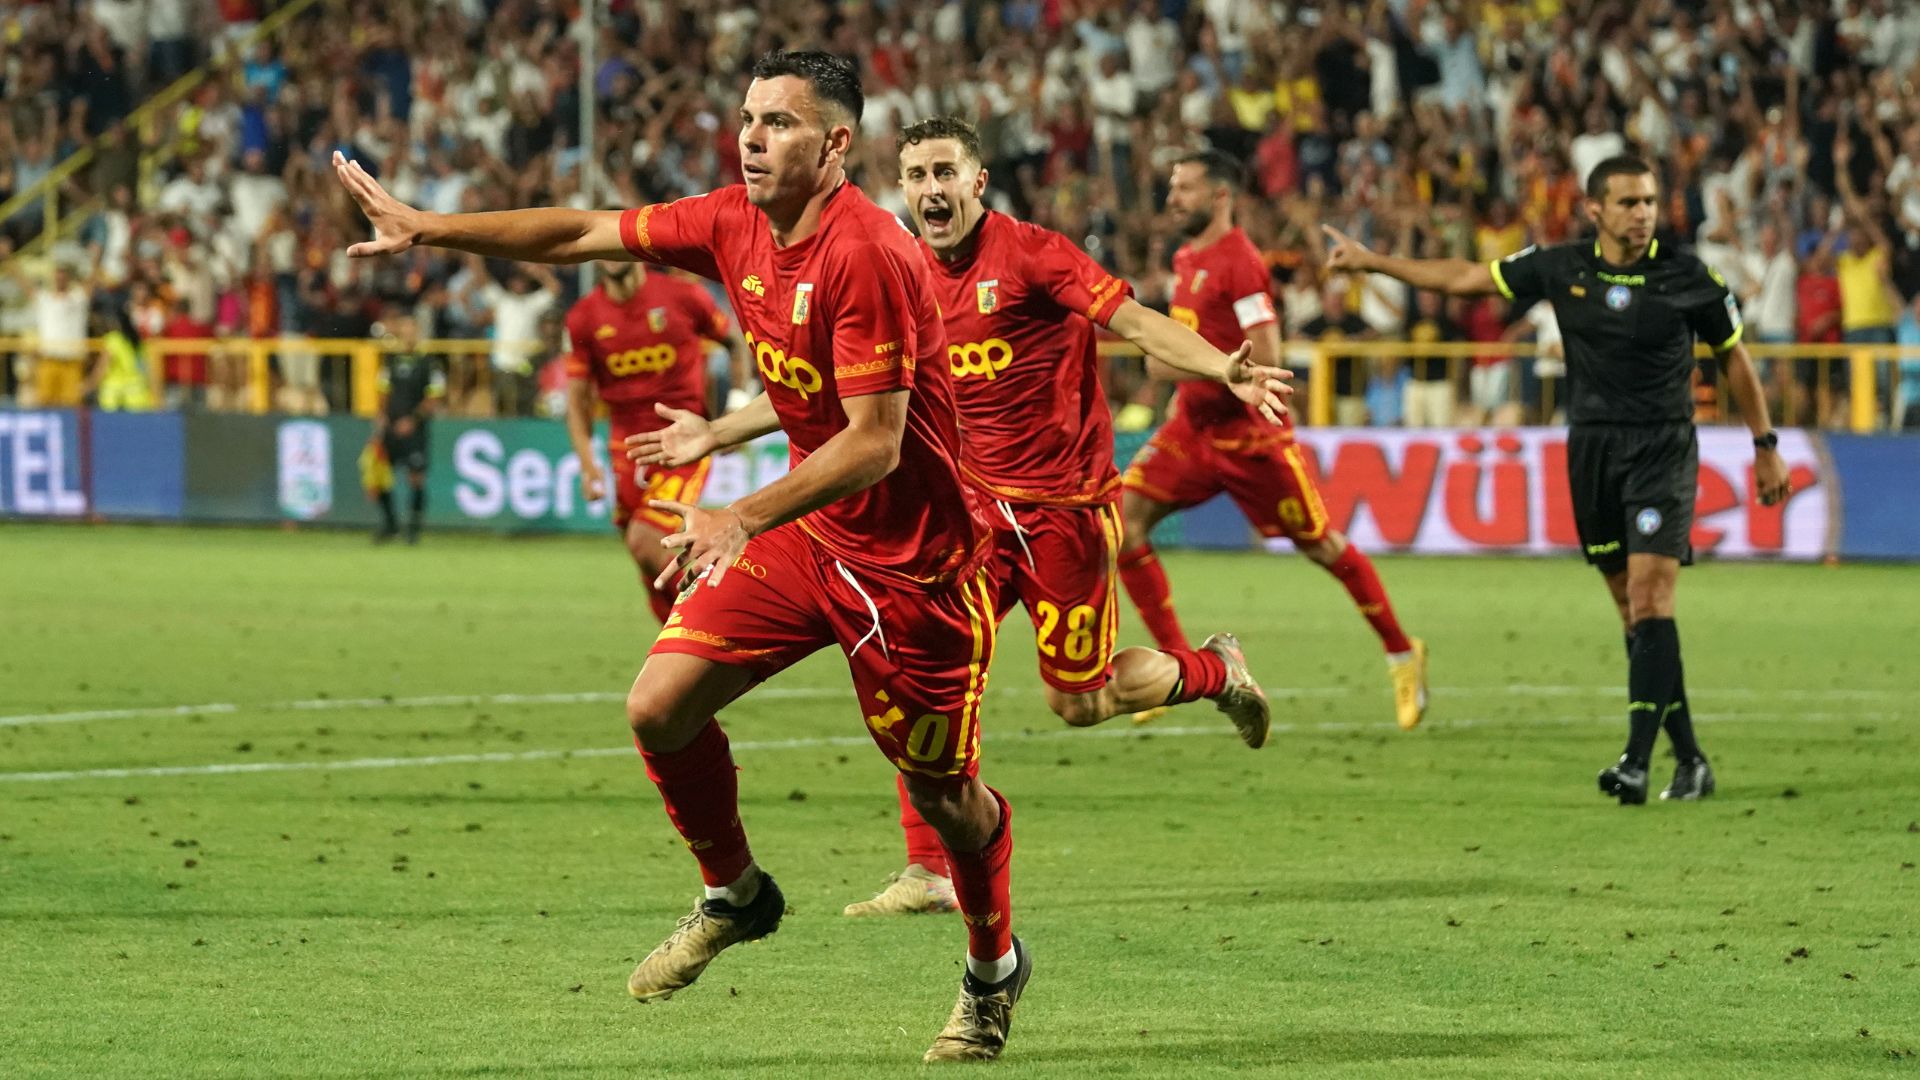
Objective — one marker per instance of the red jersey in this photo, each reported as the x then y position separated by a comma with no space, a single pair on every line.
1220,292
846,312
651,348
1020,311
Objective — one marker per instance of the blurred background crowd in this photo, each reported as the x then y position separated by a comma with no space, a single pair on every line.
1787,135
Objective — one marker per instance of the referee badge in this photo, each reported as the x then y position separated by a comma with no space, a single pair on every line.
1618,297
1647,521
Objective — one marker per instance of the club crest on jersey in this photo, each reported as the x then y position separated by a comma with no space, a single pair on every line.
1199,277
657,319
1618,297
987,293
802,302
606,331
1647,521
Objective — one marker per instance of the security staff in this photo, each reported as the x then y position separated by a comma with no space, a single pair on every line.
1629,311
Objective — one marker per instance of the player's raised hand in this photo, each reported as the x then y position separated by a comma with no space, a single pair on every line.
686,440
709,541
1265,388
1346,253
1771,480
396,226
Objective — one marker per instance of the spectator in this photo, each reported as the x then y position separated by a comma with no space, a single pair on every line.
1432,391
1817,305
60,328
1908,337
531,292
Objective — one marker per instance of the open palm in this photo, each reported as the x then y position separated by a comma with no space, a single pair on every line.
396,226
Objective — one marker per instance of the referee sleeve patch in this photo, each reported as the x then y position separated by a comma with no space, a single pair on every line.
1254,309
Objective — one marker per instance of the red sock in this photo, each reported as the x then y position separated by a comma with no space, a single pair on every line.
661,601
923,841
982,886
702,794
1355,571
1202,675
1147,586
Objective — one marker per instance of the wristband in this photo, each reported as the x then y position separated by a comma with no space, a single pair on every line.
1769,441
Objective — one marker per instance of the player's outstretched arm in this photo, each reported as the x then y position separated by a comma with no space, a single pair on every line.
1771,481
1185,351
1456,277
548,235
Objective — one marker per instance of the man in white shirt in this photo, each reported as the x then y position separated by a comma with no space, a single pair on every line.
1595,145
192,193
531,293
255,194
60,324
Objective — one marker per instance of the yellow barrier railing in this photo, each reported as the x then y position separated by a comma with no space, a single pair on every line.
241,370
138,125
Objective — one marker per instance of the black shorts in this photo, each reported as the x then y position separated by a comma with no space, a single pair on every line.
409,451
1633,489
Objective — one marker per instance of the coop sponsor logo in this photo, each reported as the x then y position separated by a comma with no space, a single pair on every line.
40,465
1483,491
305,457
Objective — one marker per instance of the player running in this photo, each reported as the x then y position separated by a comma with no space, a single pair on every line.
1629,313
640,339
1020,305
870,542
1214,443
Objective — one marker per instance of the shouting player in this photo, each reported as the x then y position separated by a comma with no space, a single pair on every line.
1214,443
640,339
1020,305
869,543
1629,313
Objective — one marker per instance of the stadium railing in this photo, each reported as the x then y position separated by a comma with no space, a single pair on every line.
252,374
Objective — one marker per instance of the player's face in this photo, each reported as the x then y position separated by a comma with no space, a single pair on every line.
788,145
1626,213
943,187
1190,196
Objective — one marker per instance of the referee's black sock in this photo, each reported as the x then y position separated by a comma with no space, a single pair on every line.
1653,678
386,512
419,508
1679,721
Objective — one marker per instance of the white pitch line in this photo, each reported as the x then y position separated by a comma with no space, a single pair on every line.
821,742
602,697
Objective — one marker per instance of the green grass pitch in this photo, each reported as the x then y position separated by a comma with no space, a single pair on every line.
1350,901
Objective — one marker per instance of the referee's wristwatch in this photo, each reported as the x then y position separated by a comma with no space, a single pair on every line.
1769,441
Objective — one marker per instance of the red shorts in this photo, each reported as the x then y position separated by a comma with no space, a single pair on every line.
634,485
1182,467
1060,563
919,657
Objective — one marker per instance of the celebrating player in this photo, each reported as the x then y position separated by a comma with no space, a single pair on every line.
1020,304
1629,312
639,340
1214,443
870,542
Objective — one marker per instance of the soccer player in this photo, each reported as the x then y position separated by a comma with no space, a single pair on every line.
1214,443
870,542
639,339
1629,312
1020,305
411,389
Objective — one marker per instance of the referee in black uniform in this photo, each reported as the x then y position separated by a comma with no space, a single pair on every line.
412,386
1629,311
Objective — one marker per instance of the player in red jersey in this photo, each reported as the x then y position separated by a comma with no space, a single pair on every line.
1036,441
870,542
1214,443
639,339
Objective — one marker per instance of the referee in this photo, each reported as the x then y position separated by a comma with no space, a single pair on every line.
412,386
1629,313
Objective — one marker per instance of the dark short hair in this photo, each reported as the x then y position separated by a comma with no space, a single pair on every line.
835,81
942,127
1623,165
1220,168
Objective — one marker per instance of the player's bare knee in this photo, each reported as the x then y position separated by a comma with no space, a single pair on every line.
1326,550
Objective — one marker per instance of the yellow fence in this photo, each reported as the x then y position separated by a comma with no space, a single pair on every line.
1865,378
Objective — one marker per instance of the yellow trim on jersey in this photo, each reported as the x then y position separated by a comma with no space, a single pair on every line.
1499,280
1738,333
981,628
1316,509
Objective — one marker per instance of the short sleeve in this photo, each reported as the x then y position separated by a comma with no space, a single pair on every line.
708,319
1071,279
872,311
1252,302
1522,276
578,341
1716,318
679,233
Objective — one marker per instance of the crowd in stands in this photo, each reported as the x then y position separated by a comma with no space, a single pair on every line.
1786,132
